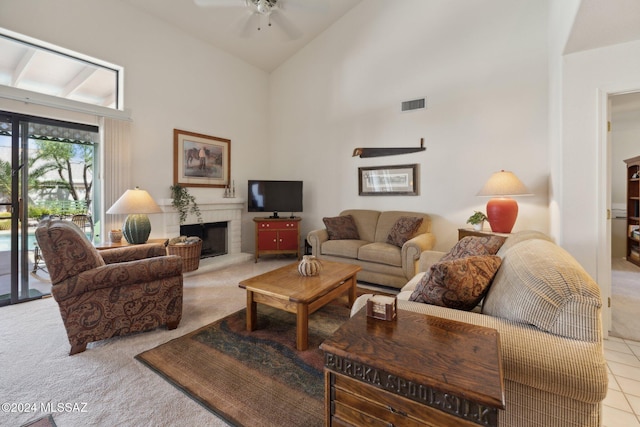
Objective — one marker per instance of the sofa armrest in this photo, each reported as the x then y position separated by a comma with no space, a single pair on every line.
316,238
119,275
411,251
132,253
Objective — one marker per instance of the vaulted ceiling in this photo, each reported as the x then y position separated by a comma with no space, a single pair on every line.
602,23
235,26
232,25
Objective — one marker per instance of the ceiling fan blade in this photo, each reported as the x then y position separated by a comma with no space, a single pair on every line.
287,26
304,5
247,25
220,3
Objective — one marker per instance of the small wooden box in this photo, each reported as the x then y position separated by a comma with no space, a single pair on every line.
382,307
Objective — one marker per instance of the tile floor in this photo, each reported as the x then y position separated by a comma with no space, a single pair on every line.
622,404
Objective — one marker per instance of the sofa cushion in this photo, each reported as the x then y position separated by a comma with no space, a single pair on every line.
381,253
341,228
413,282
474,246
342,248
387,220
366,221
460,283
403,229
540,284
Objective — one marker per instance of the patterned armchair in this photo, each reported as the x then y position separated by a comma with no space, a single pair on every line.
102,294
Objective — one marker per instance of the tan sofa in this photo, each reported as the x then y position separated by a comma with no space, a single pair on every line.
382,263
547,311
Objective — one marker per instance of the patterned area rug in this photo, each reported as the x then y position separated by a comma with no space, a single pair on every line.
46,421
252,378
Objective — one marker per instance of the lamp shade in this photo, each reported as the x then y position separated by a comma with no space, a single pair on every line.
135,201
503,183
502,211
136,204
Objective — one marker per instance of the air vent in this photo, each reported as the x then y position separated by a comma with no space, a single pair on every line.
414,104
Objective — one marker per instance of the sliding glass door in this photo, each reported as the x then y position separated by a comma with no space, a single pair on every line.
47,170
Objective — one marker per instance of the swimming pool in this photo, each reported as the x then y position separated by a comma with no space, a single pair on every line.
5,240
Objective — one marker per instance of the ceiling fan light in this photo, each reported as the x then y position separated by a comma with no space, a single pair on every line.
263,7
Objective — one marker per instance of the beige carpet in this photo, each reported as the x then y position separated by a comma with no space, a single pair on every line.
117,389
625,299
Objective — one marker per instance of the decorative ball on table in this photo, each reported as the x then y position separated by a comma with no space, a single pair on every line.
309,266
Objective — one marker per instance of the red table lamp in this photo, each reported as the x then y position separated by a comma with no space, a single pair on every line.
502,211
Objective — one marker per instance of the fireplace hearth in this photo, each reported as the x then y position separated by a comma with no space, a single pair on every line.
213,235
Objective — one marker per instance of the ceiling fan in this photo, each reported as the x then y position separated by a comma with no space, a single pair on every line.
259,10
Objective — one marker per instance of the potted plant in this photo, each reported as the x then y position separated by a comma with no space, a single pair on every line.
184,202
188,248
477,220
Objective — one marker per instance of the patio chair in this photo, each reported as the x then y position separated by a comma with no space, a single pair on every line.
103,294
38,264
84,223
38,261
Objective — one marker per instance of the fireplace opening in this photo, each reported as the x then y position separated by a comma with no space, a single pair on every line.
213,235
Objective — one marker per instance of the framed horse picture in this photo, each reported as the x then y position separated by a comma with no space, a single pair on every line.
201,160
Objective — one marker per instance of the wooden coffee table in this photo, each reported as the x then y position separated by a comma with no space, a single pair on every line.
285,289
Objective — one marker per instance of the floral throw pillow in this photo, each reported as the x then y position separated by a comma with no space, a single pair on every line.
474,245
403,229
341,227
459,284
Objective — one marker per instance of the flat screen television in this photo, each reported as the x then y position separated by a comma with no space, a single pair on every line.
274,196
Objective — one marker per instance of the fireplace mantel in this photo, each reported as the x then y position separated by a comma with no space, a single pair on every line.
219,209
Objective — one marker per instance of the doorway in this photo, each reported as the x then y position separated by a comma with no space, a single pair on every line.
47,169
624,136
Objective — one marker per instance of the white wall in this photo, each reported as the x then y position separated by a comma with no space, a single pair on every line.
482,66
561,17
171,81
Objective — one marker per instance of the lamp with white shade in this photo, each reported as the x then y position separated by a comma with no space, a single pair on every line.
502,210
136,204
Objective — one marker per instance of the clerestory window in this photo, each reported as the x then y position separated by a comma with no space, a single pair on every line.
44,68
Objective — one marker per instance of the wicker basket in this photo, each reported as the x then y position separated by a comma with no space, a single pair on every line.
190,255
